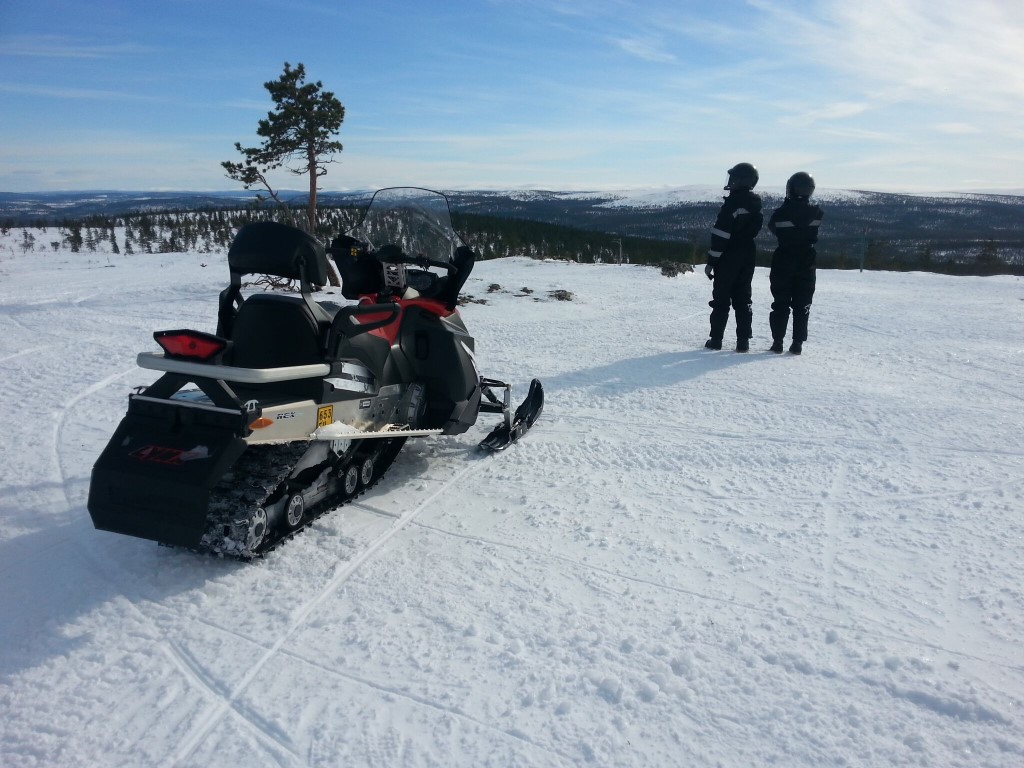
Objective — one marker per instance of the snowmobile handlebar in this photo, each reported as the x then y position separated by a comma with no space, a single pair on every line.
345,323
387,254
393,254
424,262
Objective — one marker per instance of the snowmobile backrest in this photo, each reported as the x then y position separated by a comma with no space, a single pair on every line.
270,248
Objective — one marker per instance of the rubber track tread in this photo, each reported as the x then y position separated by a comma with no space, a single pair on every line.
253,480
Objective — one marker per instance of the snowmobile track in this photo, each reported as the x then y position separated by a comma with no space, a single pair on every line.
259,476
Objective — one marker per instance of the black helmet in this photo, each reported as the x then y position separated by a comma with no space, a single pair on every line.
800,184
742,176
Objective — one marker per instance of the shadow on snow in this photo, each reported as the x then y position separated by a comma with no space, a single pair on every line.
651,372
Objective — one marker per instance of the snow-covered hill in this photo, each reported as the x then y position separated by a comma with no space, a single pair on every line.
649,197
696,558
673,196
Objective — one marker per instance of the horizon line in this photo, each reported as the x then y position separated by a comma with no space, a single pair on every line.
1007,191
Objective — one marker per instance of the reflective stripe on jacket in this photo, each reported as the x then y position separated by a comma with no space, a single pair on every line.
795,223
739,220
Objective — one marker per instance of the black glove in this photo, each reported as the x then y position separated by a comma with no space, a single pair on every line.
709,269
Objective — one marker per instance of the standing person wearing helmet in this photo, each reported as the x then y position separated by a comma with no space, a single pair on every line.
795,223
731,257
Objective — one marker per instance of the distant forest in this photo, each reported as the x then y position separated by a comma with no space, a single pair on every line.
211,231
670,238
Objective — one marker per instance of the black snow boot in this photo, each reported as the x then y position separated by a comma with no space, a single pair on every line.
713,343
742,345
776,347
796,347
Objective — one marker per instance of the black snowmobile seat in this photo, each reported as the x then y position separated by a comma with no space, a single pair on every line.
272,331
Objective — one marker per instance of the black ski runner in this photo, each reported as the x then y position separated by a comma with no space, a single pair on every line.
508,432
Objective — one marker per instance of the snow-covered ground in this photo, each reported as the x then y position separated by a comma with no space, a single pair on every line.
695,559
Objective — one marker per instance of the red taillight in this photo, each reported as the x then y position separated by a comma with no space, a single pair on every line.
194,345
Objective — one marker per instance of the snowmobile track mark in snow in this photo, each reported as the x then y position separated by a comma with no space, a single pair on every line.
190,670
24,352
227,703
62,413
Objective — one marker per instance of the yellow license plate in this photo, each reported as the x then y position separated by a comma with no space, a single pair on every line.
324,416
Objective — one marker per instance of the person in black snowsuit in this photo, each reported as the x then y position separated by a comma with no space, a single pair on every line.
731,257
795,223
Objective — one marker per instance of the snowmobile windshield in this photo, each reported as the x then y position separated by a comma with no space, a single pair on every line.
416,220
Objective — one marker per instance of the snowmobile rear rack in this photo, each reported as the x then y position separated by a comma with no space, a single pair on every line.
156,361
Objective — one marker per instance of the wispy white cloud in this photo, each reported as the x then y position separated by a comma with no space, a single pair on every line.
648,49
934,51
859,135
567,8
53,92
57,46
841,110
250,105
957,129
803,114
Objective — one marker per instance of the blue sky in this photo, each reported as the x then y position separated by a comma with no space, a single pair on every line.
496,94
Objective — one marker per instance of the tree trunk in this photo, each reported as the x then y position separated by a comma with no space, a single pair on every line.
332,275
311,207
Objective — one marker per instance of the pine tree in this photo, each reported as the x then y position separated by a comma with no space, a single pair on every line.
74,237
297,135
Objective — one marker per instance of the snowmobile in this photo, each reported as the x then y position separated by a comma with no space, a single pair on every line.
296,406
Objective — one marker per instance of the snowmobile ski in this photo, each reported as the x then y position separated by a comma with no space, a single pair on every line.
517,425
